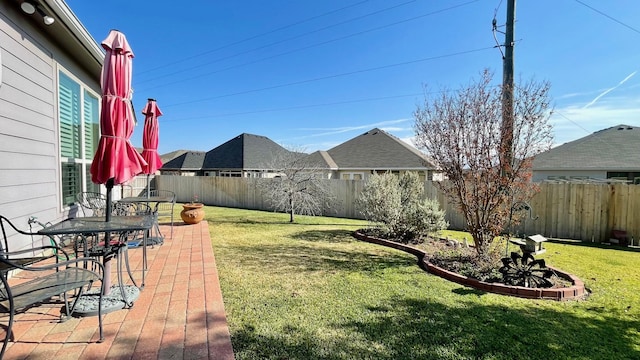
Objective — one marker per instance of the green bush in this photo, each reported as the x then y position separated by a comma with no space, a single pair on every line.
396,205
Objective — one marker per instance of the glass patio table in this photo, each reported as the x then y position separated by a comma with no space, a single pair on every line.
89,231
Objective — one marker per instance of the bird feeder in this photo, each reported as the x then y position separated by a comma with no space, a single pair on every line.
532,244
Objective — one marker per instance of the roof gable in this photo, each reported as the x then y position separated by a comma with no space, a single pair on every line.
171,155
377,149
189,160
245,151
321,160
614,148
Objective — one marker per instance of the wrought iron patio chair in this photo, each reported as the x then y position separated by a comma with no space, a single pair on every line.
93,245
133,239
126,190
163,209
92,203
49,274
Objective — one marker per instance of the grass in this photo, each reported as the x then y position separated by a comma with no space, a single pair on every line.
310,291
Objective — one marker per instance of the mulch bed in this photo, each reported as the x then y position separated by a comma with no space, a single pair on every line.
457,258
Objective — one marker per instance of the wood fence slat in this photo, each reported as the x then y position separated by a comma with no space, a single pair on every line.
580,208
571,212
586,216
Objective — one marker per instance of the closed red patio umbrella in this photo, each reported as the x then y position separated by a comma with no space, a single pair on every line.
150,138
115,160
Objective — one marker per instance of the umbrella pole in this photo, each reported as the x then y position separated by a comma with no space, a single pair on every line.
107,241
108,209
148,185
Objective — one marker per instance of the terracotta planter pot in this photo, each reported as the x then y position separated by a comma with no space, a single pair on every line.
192,213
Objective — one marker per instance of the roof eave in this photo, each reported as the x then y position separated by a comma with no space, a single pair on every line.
77,30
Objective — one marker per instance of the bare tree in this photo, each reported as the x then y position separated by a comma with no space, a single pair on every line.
461,131
299,185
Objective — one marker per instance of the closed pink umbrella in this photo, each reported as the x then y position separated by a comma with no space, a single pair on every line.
150,137
115,160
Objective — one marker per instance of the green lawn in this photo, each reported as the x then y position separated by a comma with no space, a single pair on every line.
310,291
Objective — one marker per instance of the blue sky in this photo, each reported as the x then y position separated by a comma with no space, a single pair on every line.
313,74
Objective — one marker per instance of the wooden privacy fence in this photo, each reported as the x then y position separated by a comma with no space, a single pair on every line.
587,212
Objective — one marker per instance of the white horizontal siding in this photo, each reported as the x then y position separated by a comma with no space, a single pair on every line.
17,134
17,177
29,184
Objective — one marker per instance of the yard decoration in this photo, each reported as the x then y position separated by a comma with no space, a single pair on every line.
192,213
524,270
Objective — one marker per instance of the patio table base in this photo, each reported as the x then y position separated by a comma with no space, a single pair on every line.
87,305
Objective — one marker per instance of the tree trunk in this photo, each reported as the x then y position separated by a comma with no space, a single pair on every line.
291,210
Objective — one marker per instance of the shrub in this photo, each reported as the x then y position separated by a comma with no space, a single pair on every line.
396,205
380,202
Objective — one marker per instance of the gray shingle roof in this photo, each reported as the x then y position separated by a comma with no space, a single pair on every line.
245,151
190,160
377,149
614,148
172,155
321,160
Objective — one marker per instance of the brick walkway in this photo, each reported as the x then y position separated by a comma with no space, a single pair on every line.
179,314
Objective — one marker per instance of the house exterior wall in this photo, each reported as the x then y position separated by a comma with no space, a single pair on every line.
541,175
364,174
30,179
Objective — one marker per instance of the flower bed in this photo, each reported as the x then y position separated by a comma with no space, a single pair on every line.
575,291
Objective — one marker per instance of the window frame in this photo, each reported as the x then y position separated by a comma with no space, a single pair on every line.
352,175
83,157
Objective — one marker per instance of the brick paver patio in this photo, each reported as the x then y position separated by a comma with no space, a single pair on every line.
179,314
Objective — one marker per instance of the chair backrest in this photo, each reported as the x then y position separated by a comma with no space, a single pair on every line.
163,193
92,203
126,190
125,209
163,208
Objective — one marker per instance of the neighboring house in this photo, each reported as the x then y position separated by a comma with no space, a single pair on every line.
49,102
612,153
165,158
188,163
375,151
246,155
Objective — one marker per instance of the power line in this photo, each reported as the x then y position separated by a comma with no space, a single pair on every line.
329,76
608,16
300,107
300,49
571,121
255,37
580,126
280,41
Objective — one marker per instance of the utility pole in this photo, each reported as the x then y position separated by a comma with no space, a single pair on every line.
507,91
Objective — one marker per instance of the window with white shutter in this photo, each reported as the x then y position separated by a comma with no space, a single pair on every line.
79,134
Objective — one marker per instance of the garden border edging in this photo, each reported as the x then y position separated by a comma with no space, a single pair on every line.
576,291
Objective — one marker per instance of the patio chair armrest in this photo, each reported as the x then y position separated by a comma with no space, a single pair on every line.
10,260
88,262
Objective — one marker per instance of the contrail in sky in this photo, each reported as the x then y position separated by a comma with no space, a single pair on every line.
340,130
609,90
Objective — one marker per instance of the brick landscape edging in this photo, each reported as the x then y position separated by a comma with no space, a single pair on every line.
575,291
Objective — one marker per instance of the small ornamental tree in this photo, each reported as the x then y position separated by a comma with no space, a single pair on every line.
300,187
461,132
397,206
